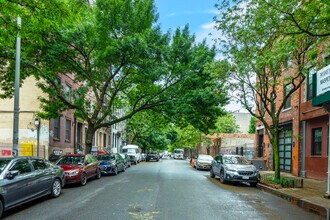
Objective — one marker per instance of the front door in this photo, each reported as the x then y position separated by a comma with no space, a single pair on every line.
261,143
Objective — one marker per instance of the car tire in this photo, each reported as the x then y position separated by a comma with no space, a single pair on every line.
212,173
83,179
222,177
253,184
56,188
98,174
124,168
116,170
1,208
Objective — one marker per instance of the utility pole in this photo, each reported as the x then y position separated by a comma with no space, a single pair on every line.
17,86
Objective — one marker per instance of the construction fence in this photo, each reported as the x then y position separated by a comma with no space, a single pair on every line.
24,149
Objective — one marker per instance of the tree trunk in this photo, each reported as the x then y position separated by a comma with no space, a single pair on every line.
274,141
89,139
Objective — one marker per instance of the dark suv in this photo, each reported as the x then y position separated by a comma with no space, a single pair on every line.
152,156
234,168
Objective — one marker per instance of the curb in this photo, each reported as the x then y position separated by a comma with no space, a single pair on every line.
302,203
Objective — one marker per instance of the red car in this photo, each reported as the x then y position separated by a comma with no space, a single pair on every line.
79,167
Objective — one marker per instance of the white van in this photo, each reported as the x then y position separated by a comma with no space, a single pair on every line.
133,151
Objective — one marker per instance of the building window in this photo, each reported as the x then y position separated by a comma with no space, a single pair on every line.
57,128
68,93
311,72
317,141
287,89
68,130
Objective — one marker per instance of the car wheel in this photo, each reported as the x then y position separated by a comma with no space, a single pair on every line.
56,188
83,179
211,173
1,208
222,177
116,170
124,168
253,184
98,174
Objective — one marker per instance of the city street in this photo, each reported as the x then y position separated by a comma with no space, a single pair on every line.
168,189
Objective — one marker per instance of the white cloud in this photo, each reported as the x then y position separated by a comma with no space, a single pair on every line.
171,14
208,26
212,11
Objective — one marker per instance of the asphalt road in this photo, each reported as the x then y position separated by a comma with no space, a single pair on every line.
168,189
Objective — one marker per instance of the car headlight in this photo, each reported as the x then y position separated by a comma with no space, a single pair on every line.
230,170
73,172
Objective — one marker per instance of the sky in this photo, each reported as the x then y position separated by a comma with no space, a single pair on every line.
198,14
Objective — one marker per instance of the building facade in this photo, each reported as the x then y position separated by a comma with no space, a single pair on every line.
303,138
33,132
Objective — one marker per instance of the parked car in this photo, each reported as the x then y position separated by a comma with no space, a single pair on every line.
127,160
111,163
143,157
133,151
78,168
203,161
23,179
234,168
152,156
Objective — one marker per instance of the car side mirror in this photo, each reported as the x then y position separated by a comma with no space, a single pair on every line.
11,175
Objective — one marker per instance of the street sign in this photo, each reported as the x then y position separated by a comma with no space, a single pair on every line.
321,87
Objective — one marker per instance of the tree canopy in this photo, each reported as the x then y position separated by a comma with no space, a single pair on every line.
117,58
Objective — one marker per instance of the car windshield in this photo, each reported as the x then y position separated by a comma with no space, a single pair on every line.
205,157
106,157
71,160
123,155
235,160
3,164
128,150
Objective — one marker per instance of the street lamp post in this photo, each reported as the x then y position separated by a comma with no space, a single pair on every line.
17,85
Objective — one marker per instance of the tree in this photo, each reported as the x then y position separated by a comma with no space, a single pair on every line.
226,124
150,131
38,18
258,50
189,137
300,17
120,59
252,126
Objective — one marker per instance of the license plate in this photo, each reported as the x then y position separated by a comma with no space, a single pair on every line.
245,177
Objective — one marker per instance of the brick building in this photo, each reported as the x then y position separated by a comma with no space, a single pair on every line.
303,139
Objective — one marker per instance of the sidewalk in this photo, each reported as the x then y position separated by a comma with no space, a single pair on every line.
310,197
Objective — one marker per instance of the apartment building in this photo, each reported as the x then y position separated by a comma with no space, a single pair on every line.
48,138
304,134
